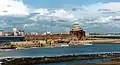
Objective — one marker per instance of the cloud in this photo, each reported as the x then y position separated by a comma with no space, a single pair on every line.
13,7
104,10
55,14
99,17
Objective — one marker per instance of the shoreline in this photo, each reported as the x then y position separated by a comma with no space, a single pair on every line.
43,44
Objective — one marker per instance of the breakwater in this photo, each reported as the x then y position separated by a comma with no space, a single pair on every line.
114,61
105,36
60,58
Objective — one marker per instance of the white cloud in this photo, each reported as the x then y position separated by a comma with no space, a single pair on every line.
62,14
53,14
91,17
41,11
13,7
114,6
98,9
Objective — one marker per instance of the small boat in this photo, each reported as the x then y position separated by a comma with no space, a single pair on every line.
1,63
88,44
64,45
80,43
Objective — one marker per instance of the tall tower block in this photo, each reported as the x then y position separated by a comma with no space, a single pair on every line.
15,31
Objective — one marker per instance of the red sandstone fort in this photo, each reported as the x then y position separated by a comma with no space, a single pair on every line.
76,33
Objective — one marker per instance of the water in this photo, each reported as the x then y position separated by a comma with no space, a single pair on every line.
64,50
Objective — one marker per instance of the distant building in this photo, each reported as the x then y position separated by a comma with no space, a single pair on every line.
11,36
15,31
77,33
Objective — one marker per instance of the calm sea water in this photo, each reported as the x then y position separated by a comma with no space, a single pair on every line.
65,50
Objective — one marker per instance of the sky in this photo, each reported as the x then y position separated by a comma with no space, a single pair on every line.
59,15
60,3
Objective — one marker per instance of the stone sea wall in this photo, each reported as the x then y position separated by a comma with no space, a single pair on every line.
62,58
